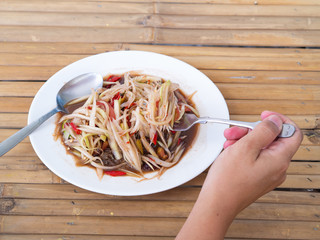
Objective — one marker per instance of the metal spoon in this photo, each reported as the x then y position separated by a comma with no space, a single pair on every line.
188,120
77,87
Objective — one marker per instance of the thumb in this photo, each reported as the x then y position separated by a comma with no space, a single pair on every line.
264,133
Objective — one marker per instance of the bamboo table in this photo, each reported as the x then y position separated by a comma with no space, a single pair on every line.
261,54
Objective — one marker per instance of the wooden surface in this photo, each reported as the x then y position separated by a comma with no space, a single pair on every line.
261,54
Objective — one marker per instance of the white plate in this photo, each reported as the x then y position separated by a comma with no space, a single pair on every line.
206,147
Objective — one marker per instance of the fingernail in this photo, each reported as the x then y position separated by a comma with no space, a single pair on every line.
276,120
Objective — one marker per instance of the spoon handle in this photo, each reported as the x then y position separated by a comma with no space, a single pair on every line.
13,140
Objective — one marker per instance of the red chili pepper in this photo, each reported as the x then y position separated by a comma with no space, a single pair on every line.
155,137
74,127
113,78
115,173
112,115
131,105
131,134
179,141
115,97
101,105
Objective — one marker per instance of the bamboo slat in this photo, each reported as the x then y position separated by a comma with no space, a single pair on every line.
304,168
238,37
71,192
58,48
27,73
236,9
311,138
123,208
234,22
74,6
180,50
29,176
301,181
279,229
13,120
195,8
14,104
75,34
285,107
120,20
137,226
292,181
268,91
200,62
25,89
244,63
26,163
75,19
46,176
308,152
79,237
88,225
263,77
250,2
161,36
18,59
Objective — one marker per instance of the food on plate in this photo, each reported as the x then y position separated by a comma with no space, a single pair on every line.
125,128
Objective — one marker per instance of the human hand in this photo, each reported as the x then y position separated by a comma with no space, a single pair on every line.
253,162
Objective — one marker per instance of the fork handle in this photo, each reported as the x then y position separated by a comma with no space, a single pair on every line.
287,129
250,125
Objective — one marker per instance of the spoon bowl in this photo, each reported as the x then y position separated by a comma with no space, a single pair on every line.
79,86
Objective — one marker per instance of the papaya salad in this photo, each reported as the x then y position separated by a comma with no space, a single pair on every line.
125,128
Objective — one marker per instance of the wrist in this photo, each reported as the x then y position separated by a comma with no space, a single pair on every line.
221,204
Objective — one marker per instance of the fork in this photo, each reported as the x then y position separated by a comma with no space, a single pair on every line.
188,120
